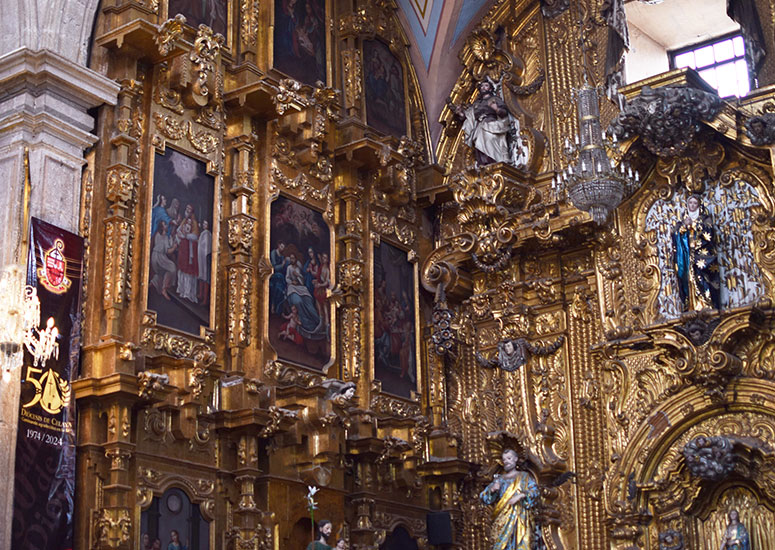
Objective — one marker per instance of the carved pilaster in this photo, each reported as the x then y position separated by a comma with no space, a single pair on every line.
350,276
121,185
241,227
352,66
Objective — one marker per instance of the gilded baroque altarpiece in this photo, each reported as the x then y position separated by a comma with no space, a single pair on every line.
283,279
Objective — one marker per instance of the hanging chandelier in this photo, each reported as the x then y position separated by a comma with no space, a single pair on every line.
591,182
589,179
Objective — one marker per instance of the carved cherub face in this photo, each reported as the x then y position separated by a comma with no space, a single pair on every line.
508,347
349,393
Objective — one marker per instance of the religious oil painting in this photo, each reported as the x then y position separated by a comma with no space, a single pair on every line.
394,339
299,310
181,242
213,13
300,39
173,522
385,105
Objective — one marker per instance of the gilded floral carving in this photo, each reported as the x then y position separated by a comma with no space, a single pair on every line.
168,33
353,88
249,10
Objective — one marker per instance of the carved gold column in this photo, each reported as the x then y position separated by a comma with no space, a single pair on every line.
247,530
588,454
241,225
350,273
352,63
111,519
120,192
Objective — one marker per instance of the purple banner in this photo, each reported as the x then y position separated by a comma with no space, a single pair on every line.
44,486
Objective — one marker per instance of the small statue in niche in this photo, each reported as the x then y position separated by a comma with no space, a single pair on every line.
735,535
515,495
490,129
696,262
512,353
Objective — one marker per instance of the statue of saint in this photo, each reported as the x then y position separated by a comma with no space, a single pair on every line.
514,494
696,261
490,129
735,535
324,531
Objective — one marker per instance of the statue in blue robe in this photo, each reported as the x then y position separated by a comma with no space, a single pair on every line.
696,261
735,535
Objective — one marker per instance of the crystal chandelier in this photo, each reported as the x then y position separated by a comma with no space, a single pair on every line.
589,180
19,306
19,313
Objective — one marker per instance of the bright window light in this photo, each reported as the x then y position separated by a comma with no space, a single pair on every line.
721,62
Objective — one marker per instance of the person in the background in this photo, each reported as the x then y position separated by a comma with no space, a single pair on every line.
188,215
164,269
188,261
325,527
204,252
175,543
321,283
277,280
173,214
159,213
341,544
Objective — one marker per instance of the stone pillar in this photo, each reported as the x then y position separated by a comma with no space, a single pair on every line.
44,104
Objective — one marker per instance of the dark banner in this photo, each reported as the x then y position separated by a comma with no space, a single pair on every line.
44,485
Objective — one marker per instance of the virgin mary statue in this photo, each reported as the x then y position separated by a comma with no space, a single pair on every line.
735,535
514,494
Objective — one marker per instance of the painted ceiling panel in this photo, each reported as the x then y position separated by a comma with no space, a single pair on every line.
423,17
467,12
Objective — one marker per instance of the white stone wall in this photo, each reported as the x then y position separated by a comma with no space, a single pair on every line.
60,26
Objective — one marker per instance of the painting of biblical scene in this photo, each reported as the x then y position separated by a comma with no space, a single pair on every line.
173,522
385,106
394,343
300,39
299,312
181,242
213,13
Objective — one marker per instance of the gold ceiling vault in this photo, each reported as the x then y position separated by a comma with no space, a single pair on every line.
288,285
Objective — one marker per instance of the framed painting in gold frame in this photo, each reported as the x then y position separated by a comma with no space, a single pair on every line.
181,236
300,318
384,88
395,339
213,13
300,41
